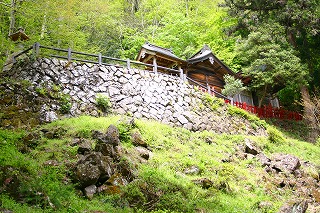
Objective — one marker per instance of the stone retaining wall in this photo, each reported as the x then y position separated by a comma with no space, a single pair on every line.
138,93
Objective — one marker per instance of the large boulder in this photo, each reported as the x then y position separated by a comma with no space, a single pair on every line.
137,139
84,147
285,163
298,206
112,136
92,169
106,149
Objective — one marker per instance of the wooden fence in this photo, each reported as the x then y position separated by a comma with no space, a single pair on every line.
206,88
71,55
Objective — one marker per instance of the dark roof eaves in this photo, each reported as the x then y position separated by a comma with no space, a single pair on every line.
206,57
162,51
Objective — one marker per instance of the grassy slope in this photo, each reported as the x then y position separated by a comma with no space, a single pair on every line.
238,185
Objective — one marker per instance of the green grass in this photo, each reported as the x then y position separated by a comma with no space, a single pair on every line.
161,186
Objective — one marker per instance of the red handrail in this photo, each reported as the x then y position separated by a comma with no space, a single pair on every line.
267,111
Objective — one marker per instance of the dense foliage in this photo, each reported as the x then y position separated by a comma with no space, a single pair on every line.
118,28
288,35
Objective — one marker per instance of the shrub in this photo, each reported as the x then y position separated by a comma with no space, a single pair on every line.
125,126
158,189
212,101
65,104
275,136
103,103
41,91
255,121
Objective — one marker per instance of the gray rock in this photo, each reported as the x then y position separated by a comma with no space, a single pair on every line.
103,69
298,206
193,170
264,160
84,147
47,116
285,163
106,149
113,91
87,173
118,73
182,119
123,80
89,191
137,140
92,169
112,135
143,152
250,148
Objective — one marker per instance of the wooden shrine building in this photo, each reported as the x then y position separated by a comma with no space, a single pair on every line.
160,58
203,67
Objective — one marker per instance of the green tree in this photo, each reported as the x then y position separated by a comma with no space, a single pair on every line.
233,86
270,61
299,20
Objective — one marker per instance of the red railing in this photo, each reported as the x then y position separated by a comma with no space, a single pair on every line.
261,112
268,111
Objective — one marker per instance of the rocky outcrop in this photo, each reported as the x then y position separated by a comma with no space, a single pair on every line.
58,88
105,169
285,171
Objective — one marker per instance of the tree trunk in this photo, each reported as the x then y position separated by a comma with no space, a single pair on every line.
264,93
43,28
309,115
12,17
187,8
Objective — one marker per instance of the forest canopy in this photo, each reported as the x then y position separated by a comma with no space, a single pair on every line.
119,28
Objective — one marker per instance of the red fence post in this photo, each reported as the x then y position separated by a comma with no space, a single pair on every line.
244,105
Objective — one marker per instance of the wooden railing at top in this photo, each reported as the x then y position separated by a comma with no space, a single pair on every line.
100,59
207,88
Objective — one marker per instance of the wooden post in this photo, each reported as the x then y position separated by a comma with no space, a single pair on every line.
239,95
208,88
69,54
36,49
128,63
100,59
181,72
155,67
